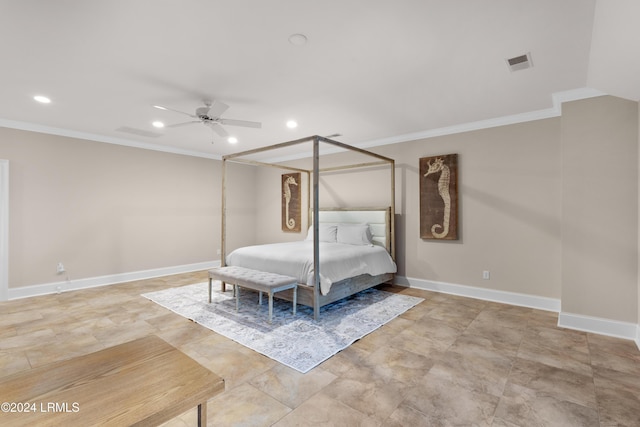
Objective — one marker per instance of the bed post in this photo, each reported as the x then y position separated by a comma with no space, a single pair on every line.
223,219
316,235
392,164
309,215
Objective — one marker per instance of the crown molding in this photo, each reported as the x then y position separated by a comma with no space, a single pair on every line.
33,127
558,99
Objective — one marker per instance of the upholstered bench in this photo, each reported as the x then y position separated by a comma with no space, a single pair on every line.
260,281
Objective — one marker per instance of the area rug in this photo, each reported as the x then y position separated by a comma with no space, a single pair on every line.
295,341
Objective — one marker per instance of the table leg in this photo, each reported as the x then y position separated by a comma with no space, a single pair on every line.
270,305
202,414
236,289
210,280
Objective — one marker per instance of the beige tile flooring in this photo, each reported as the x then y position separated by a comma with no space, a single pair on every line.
448,361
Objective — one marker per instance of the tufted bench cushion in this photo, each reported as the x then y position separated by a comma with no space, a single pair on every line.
260,281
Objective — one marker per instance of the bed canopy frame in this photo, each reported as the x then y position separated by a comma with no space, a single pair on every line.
313,176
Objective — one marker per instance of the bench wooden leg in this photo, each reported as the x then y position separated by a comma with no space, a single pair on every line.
295,299
236,290
210,280
270,305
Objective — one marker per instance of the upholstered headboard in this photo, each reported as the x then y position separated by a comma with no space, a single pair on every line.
379,220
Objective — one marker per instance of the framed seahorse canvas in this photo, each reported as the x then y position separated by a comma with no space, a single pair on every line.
291,202
439,197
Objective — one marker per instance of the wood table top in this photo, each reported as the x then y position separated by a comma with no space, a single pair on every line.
142,382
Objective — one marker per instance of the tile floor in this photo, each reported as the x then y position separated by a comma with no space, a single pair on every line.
447,361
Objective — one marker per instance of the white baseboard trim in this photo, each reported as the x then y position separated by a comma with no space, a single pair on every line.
92,282
598,325
512,298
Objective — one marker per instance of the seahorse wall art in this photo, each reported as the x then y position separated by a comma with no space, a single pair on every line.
291,206
439,197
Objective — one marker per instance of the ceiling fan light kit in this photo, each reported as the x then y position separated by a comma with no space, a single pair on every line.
209,115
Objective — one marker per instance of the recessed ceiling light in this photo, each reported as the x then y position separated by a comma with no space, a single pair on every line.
298,39
158,124
232,140
292,124
42,99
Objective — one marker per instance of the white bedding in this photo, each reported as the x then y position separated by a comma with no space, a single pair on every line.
337,261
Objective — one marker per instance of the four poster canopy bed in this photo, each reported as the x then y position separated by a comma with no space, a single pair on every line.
344,252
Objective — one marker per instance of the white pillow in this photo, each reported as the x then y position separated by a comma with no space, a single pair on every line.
354,234
326,232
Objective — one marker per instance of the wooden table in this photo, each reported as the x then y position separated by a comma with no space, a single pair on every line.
143,383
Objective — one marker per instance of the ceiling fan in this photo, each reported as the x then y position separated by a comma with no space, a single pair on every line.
209,115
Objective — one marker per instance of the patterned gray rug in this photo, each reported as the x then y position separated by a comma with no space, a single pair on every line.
295,341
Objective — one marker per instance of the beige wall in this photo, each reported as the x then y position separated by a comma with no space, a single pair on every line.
600,208
509,218
509,207
533,198
242,206
351,188
104,209
268,197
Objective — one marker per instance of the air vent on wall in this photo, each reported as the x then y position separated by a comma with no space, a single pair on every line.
521,62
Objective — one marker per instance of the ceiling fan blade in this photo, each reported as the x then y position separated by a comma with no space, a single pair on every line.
182,124
217,108
161,107
217,129
244,123
202,111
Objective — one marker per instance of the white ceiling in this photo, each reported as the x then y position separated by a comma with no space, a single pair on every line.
372,70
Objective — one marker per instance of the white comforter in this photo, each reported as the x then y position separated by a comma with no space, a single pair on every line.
337,261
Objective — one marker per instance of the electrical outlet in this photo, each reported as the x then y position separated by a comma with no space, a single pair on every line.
486,275
60,268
